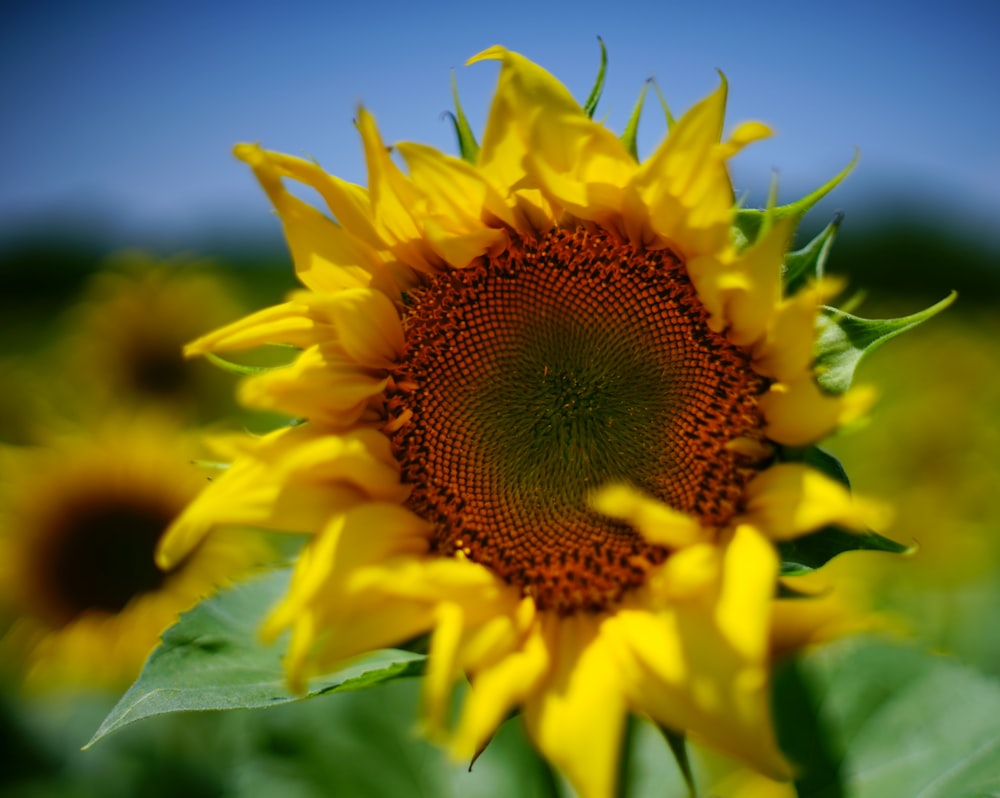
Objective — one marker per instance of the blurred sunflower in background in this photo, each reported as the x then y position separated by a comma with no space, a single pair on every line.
561,409
81,518
124,339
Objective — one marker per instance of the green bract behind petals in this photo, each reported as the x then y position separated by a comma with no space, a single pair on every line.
845,340
818,548
629,136
749,221
590,106
468,147
809,263
236,368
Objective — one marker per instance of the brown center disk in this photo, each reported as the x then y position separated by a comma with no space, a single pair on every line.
531,379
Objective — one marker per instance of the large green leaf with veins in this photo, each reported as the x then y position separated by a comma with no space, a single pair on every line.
871,718
213,659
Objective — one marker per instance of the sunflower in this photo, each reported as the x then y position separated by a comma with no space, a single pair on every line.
550,398
81,520
127,332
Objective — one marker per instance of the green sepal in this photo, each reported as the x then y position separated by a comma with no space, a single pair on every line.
590,106
816,458
819,547
235,368
792,569
678,747
802,555
663,104
748,222
468,147
824,462
809,263
630,135
213,659
843,341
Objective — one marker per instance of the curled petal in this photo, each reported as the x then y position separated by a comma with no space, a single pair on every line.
790,499
800,413
656,521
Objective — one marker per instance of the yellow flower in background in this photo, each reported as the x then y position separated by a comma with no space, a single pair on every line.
545,388
127,331
80,520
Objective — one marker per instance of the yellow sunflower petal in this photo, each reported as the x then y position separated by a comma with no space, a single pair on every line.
442,666
288,323
750,568
293,479
790,499
839,600
751,286
396,202
350,204
700,666
577,721
786,353
322,385
682,192
458,250
800,413
657,522
523,90
368,326
498,688
454,187
326,256
580,165
687,574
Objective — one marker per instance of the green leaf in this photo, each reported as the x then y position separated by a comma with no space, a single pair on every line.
869,718
590,106
819,547
213,659
809,263
468,147
843,341
801,735
629,136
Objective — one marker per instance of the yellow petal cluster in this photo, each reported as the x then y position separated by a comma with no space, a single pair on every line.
691,648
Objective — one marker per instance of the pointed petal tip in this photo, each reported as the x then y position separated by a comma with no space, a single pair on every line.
495,53
249,152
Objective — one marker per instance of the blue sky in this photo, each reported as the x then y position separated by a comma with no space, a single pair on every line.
129,110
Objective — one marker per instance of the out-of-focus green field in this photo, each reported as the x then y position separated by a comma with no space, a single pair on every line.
931,448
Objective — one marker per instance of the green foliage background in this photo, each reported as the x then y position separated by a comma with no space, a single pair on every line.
909,716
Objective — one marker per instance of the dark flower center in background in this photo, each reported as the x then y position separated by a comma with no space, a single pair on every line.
566,363
97,555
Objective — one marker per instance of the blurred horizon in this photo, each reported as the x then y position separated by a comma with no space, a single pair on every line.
125,114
